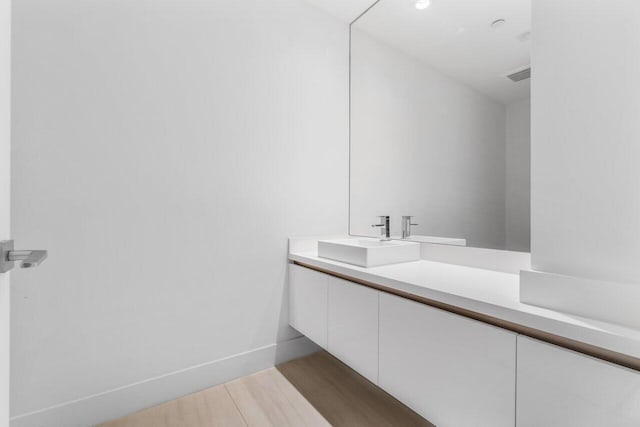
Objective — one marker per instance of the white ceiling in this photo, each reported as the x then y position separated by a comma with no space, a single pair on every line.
345,10
455,37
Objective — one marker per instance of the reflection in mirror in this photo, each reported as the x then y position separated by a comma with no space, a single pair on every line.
440,121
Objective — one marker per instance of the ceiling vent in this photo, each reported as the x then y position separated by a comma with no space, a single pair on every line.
520,75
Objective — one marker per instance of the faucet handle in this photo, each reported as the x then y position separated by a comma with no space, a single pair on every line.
385,227
407,218
406,226
383,221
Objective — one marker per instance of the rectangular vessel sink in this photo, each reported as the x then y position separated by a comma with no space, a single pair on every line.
369,252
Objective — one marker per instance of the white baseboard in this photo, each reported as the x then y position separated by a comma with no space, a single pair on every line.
119,402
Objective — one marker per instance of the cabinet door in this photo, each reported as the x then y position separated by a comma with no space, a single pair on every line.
454,371
308,303
559,387
353,326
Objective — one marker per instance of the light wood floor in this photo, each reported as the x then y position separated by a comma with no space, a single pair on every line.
316,390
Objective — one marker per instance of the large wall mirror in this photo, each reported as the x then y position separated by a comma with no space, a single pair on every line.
440,121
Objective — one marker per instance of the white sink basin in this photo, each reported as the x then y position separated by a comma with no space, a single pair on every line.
369,252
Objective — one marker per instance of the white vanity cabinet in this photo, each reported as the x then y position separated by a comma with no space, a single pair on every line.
559,387
308,291
353,326
454,371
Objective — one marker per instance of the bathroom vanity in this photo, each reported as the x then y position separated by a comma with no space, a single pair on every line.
440,137
455,344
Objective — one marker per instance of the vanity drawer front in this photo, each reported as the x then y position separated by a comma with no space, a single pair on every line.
454,371
559,387
353,326
308,291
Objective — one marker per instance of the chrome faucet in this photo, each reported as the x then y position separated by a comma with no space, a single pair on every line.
385,224
406,226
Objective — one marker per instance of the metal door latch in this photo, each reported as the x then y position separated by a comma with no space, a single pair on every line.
8,257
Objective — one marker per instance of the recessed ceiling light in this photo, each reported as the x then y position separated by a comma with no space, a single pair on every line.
498,23
422,4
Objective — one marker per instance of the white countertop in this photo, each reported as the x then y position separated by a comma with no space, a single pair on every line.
485,292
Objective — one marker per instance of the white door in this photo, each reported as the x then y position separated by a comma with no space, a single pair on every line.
5,110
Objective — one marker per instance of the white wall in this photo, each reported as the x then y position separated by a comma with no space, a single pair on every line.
164,151
5,134
423,144
345,10
586,133
518,176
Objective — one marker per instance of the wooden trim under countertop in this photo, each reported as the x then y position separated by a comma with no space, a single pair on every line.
578,346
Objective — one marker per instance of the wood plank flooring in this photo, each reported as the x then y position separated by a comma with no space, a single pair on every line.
315,391
213,407
268,399
344,397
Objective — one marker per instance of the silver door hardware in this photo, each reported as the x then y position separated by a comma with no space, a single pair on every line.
8,257
385,227
406,226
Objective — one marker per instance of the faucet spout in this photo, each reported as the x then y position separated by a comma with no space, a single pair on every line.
385,227
406,226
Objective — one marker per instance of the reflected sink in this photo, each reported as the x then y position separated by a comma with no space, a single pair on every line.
369,252
439,240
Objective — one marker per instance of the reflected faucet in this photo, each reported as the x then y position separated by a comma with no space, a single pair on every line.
385,224
406,226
